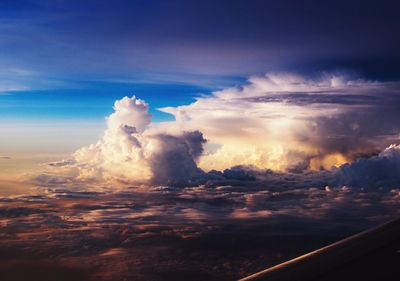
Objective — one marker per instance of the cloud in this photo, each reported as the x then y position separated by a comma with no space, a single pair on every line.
382,170
204,228
279,122
288,122
131,152
62,163
175,161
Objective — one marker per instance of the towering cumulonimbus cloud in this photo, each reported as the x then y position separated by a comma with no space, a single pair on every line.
282,122
123,151
130,151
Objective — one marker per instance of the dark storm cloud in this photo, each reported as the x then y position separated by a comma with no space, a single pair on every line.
378,171
175,163
366,129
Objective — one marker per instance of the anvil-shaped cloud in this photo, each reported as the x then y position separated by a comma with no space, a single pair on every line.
283,122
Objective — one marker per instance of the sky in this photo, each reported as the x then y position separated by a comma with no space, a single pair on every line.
67,61
64,63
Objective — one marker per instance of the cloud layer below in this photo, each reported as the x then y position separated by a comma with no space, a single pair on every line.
164,233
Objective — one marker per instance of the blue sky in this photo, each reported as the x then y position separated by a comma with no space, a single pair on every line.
93,101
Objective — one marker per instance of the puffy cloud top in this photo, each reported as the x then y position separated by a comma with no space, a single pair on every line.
129,151
129,112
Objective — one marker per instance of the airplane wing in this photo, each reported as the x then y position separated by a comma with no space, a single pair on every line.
370,255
